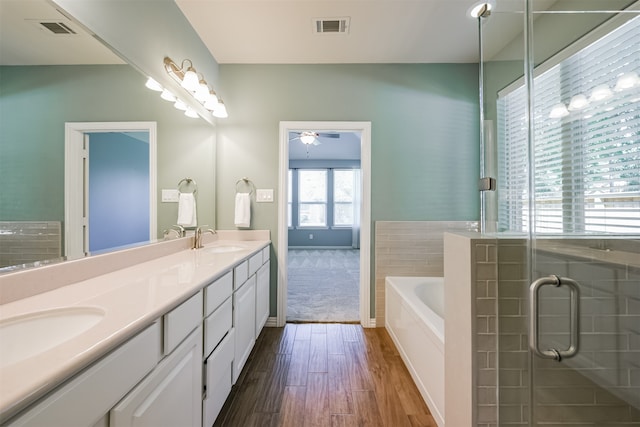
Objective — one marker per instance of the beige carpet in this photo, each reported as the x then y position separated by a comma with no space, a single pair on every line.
323,285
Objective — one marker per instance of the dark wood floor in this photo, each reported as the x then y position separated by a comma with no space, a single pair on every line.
325,375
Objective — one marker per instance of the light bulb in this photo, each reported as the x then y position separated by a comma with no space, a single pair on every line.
578,102
180,105
153,85
190,112
220,111
190,80
481,9
601,93
627,81
558,111
202,91
211,103
167,96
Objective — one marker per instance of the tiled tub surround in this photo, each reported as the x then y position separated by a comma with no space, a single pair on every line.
601,385
23,242
410,248
132,296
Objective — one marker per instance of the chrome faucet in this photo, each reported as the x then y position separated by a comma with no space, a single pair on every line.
167,233
197,237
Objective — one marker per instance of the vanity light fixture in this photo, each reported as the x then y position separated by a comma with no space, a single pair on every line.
186,75
180,105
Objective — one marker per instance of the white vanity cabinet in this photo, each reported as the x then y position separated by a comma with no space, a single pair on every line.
170,395
87,397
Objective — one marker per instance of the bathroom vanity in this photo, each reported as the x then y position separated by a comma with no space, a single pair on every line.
166,339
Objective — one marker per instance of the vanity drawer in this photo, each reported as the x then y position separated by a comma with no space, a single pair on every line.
217,325
266,254
180,321
254,263
218,379
217,292
240,274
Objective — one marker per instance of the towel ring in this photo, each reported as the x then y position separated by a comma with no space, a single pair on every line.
247,181
188,181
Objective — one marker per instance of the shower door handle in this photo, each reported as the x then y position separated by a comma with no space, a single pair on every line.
534,344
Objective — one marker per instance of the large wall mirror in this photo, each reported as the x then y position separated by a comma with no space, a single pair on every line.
53,72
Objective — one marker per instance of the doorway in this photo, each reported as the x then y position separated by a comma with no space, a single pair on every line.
110,186
292,130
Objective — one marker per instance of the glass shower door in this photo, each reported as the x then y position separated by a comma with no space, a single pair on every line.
584,299
569,288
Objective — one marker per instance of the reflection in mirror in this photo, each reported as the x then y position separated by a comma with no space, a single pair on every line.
52,72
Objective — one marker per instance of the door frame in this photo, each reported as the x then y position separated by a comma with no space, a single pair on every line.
75,169
365,212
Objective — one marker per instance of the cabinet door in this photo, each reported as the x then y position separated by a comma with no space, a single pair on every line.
262,297
171,395
244,321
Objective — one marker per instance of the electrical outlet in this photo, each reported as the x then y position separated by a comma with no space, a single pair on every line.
310,236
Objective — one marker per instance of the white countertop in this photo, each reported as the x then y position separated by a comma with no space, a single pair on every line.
131,298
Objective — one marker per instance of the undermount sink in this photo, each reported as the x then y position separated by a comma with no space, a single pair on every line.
224,249
25,336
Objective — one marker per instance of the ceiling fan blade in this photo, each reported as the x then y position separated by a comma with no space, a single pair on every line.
329,135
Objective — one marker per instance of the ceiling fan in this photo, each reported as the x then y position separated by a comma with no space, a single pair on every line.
311,138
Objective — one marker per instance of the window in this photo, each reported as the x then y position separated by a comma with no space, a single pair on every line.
586,176
312,198
343,193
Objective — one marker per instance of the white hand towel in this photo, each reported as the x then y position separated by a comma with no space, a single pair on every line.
187,210
243,210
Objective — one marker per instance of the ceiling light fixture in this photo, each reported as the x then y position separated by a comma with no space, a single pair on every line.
308,137
481,9
600,93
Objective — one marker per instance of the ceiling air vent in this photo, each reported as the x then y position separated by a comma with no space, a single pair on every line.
57,27
331,25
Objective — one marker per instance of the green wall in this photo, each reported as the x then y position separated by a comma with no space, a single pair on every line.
425,134
36,101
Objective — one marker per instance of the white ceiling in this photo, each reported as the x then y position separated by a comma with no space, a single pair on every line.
381,31
23,41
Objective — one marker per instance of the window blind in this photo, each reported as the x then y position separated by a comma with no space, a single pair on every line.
586,166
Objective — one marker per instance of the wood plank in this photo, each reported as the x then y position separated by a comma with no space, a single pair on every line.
263,419
422,420
335,343
351,332
340,399
400,378
318,353
303,331
344,420
367,408
243,401
299,362
316,411
292,411
389,403
270,399
357,367
318,328
285,346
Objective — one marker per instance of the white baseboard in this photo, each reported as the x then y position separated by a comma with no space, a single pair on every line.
271,322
